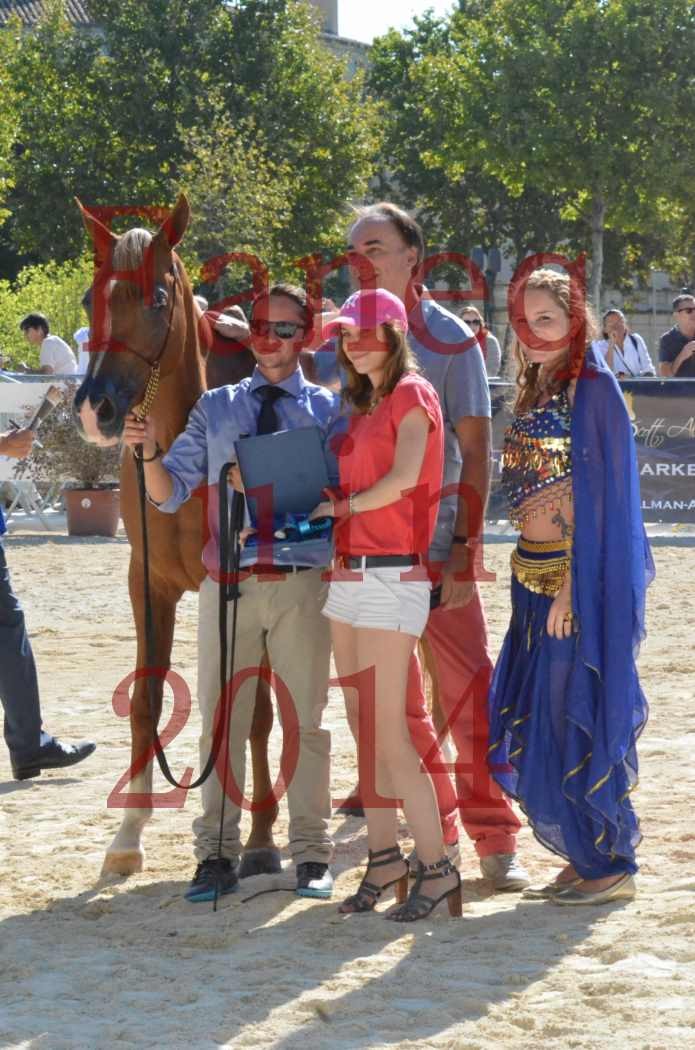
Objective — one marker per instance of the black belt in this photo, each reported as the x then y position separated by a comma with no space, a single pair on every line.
274,570
378,561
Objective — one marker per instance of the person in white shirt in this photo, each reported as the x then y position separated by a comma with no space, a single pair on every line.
56,357
81,340
625,352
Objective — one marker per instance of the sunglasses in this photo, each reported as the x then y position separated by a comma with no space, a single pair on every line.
281,329
472,321
686,310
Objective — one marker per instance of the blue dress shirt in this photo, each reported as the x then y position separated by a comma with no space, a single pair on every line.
217,420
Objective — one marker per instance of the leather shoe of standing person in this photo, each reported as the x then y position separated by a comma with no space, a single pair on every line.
52,755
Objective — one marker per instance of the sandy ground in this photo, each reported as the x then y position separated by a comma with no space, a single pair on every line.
95,963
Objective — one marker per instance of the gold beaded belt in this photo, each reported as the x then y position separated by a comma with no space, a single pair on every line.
541,567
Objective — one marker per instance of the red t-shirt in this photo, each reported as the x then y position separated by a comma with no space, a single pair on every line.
366,455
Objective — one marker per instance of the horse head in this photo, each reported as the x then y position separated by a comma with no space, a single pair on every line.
141,317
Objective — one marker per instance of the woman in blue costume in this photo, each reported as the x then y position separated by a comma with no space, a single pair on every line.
566,705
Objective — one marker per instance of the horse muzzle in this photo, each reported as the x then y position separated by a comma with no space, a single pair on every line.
99,412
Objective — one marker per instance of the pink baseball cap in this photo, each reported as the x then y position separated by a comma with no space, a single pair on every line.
368,308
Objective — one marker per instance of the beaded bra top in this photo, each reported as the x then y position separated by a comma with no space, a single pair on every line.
536,461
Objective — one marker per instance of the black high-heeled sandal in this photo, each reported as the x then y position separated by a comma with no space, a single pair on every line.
368,893
419,906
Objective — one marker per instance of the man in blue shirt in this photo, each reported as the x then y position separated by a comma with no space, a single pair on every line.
456,635
280,604
32,749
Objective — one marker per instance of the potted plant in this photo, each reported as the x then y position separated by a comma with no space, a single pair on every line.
87,474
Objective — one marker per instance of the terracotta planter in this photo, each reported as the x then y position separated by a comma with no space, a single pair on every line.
92,512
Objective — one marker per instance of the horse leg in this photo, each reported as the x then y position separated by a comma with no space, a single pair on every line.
261,856
125,855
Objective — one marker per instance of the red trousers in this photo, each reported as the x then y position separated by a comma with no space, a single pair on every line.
456,640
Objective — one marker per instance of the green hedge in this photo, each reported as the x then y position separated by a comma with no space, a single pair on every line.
53,289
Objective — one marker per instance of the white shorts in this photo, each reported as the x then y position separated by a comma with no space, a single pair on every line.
381,599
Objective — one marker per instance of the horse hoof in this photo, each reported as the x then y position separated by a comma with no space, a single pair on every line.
123,862
260,862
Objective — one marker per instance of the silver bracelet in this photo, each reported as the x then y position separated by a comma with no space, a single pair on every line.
352,509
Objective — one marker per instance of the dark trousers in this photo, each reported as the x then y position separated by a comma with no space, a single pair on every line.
19,688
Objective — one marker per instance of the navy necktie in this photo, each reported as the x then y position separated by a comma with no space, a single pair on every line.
267,419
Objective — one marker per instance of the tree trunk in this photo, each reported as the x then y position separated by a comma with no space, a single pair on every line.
598,216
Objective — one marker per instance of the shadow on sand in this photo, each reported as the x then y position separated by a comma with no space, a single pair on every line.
130,961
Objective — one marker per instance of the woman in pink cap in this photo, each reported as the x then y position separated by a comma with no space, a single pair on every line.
378,602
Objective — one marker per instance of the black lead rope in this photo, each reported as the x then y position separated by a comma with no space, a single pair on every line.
230,552
226,592
229,591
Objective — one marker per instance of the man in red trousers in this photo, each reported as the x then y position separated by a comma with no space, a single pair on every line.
456,635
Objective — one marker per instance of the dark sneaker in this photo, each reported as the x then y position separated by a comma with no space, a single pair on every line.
314,880
52,755
215,871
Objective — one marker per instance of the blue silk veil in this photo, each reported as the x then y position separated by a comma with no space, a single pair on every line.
612,567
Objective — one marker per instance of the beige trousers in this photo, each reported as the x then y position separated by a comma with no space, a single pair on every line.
283,618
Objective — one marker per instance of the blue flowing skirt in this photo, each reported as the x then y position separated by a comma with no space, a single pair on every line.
542,751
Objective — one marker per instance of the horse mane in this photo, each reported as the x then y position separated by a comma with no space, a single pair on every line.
129,249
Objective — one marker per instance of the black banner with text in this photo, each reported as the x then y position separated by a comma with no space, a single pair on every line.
662,412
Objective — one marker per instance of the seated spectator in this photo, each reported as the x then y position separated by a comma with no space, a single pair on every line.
489,345
55,357
677,346
625,352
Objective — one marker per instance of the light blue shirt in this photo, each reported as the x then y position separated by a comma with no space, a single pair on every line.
217,420
451,359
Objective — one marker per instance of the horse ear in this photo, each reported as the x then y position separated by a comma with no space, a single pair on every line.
101,236
174,227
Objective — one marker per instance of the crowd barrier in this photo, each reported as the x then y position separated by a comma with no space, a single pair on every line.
662,412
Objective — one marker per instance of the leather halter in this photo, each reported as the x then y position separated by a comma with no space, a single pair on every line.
142,409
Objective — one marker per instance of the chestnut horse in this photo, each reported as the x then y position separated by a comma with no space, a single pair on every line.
153,318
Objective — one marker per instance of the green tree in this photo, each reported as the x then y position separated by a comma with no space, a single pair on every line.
590,99
101,112
9,114
241,200
124,116
460,203
313,119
